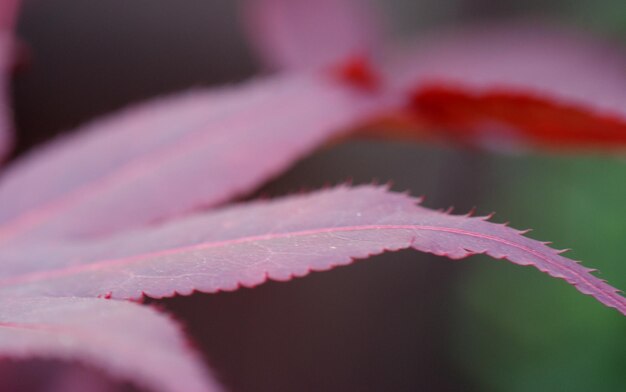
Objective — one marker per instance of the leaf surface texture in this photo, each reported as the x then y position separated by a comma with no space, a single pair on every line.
245,245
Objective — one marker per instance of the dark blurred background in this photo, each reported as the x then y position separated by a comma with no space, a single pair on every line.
397,322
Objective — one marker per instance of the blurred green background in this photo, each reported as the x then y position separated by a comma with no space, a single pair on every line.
517,330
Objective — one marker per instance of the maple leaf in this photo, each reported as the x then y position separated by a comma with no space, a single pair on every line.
111,214
245,245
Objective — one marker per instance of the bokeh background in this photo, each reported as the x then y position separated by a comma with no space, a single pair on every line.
396,322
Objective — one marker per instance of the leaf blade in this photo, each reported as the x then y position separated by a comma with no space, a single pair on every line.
245,245
168,157
301,34
126,340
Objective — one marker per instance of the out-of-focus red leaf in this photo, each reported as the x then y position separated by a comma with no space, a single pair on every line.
303,34
170,156
246,245
127,341
511,118
532,86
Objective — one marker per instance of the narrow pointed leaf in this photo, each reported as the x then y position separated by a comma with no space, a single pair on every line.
301,34
516,85
245,245
173,155
127,341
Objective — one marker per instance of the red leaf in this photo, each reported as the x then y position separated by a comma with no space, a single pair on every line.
519,117
126,340
245,245
173,155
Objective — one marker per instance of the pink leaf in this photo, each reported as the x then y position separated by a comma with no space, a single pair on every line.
301,34
173,155
126,340
523,84
245,245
